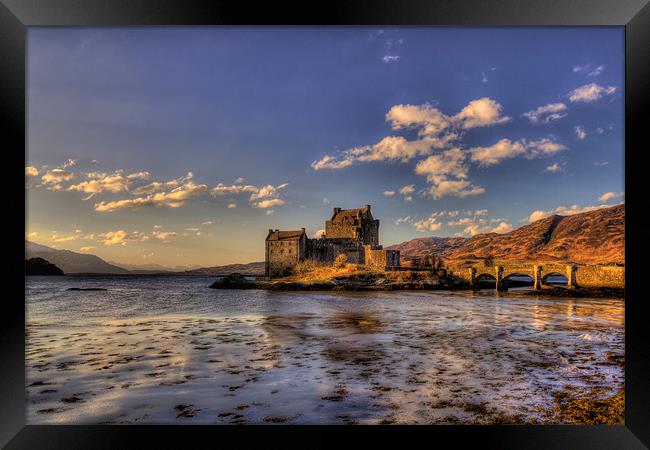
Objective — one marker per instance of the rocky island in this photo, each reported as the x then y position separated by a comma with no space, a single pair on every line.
586,250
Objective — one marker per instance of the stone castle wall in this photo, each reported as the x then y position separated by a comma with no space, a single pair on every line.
326,250
376,257
281,256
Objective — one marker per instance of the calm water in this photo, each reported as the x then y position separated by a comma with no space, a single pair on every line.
171,350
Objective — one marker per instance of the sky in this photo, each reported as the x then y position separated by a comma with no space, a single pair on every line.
183,146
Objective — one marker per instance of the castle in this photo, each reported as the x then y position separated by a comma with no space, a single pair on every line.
351,232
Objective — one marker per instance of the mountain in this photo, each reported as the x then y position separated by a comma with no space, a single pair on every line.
594,237
152,268
254,268
71,262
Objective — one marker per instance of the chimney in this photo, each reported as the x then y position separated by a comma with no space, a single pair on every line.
270,231
337,210
367,207
303,229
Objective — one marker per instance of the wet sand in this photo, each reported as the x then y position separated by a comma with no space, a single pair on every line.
425,358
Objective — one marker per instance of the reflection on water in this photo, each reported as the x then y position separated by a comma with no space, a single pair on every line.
170,350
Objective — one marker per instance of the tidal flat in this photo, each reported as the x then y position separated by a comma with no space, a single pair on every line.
169,350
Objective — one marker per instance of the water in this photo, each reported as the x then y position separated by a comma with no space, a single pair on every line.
170,350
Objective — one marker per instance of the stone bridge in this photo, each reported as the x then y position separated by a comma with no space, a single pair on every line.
576,275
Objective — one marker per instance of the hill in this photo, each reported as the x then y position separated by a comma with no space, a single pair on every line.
39,266
594,237
71,262
254,268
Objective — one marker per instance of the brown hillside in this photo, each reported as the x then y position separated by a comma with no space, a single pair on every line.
594,237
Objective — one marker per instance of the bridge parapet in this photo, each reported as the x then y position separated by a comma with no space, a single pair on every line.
576,275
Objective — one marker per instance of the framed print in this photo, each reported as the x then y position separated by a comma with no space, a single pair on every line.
247,220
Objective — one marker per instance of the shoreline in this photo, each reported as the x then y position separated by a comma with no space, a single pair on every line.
441,285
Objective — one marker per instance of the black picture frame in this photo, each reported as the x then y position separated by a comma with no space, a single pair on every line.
634,15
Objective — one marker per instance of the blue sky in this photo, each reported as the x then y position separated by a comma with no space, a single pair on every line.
184,146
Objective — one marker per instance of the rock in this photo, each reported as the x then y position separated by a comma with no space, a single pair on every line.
86,289
233,281
40,266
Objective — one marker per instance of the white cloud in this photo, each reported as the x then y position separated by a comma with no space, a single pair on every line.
429,224
330,162
435,129
387,59
163,235
158,185
461,222
69,163
587,68
221,189
402,220
494,154
232,205
267,191
543,147
239,180
480,113
57,238
408,189
57,175
269,203
318,234
207,223
172,199
86,249
269,212
389,193
503,227
580,132
553,168
408,198
536,215
546,113
121,237
564,211
597,71
454,188
390,148
590,93
481,212
429,119
98,182
506,148
610,195
144,176
31,171
440,168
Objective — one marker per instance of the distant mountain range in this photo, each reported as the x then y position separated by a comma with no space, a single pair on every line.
72,262
152,267
594,237
254,268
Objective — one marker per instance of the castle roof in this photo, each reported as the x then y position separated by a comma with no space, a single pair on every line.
277,235
341,213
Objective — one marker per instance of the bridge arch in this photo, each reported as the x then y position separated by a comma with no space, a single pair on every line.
555,274
530,279
485,279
